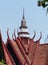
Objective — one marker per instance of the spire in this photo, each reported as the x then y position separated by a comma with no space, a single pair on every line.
23,13
23,28
23,21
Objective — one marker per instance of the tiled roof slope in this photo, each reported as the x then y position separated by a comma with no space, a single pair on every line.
8,57
32,52
23,52
41,55
17,51
37,53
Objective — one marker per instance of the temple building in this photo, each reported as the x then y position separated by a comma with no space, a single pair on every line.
23,50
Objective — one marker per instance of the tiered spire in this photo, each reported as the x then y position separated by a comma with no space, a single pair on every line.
23,21
23,28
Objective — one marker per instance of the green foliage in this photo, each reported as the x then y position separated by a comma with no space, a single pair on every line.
2,62
43,3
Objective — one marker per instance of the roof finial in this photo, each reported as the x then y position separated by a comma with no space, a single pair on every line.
7,32
23,13
34,34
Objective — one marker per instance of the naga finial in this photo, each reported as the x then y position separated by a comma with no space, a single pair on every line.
34,34
40,36
7,32
14,34
13,37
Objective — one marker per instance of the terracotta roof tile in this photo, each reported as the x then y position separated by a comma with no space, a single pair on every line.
40,55
8,57
32,51
17,51
23,52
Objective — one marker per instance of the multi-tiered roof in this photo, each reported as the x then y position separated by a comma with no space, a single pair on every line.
23,50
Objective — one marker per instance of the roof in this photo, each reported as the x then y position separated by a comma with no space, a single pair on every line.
41,56
8,57
16,51
32,52
25,51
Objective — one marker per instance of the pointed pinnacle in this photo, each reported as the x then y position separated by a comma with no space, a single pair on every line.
23,13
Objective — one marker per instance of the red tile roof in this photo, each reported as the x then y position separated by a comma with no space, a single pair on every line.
8,57
17,51
23,52
40,55
37,53
32,51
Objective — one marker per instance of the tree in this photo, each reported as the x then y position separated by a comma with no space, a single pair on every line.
43,3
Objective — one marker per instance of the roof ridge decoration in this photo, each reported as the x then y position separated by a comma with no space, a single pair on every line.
34,35
14,35
39,38
8,33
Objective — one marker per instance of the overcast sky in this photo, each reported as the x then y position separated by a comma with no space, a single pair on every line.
11,13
